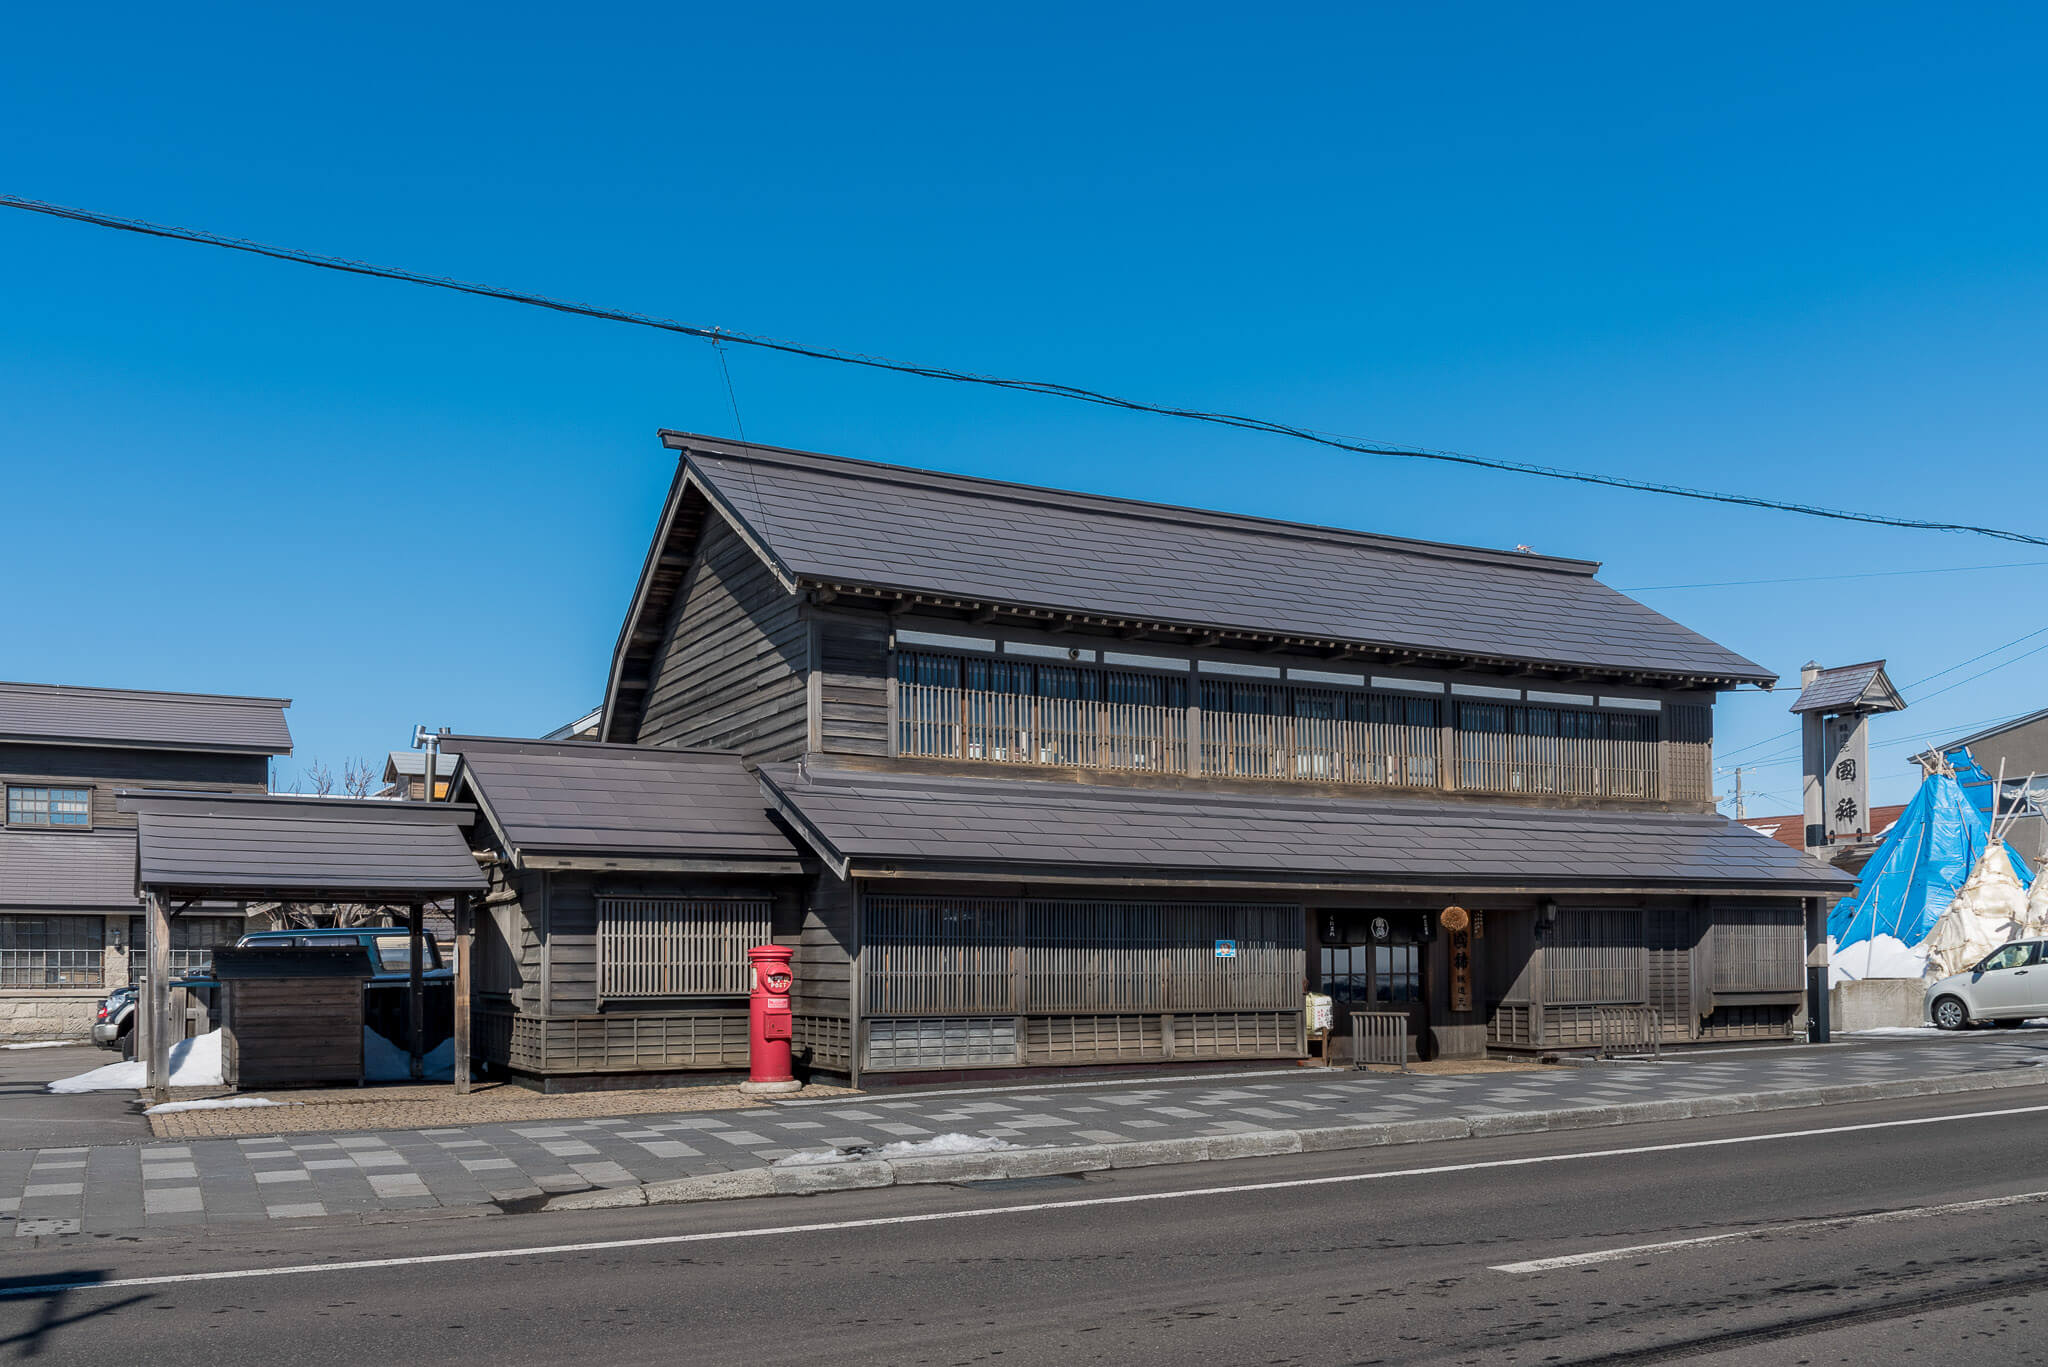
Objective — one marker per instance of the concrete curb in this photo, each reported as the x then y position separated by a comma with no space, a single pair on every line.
1061,1161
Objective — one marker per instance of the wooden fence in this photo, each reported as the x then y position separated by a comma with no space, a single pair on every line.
675,947
636,1042
973,955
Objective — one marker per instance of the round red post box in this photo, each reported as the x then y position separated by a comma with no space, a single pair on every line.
769,1021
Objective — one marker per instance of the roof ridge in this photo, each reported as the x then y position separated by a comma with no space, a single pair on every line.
609,745
1051,496
240,699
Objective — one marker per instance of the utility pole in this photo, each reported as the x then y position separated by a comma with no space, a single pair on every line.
1741,809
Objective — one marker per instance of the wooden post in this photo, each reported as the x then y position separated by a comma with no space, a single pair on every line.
415,996
157,1070
464,934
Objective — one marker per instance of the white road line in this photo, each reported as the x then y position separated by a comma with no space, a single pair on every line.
1880,1217
979,1213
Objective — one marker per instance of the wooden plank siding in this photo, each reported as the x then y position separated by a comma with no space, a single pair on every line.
851,683
731,672
825,948
107,770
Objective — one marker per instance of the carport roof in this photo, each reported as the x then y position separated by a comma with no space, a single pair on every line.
300,848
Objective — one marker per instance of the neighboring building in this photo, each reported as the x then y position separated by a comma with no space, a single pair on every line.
1849,857
2018,749
1080,780
69,914
583,728
405,774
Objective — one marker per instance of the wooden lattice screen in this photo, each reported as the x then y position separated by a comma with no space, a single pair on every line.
965,955
677,947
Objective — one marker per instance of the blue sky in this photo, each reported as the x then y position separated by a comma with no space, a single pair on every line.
1793,250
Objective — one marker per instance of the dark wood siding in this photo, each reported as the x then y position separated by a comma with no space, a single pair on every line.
851,688
825,950
572,944
106,771
730,674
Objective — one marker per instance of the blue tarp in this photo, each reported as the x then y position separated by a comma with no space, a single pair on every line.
1925,858
1980,788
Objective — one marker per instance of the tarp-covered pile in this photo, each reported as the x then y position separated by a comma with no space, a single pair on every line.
1940,847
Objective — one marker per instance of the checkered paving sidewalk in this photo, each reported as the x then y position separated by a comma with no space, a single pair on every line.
202,1182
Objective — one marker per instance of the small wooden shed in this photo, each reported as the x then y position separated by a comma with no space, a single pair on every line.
197,847
291,1017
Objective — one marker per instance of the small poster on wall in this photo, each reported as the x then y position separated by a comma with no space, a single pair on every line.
1226,949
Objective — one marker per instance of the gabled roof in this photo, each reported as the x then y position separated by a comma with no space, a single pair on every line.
854,527
292,848
864,822
78,870
61,714
582,804
1850,688
2001,728
413,764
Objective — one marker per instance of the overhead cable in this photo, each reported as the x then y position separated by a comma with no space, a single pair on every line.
1049,388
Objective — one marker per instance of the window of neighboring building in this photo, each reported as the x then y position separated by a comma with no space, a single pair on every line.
51,951
49,806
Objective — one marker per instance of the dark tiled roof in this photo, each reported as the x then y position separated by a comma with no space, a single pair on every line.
1844,685
933,823
341,849
831,521
159,721
586,798
68,869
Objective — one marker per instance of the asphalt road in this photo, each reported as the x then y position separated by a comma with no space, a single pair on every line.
33,1118
1393,1256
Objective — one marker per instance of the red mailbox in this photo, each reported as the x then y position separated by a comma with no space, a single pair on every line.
769,1021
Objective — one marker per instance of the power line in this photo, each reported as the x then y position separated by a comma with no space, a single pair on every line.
1828,578
1925,678
1048,388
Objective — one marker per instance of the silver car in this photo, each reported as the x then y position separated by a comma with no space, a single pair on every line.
2008,985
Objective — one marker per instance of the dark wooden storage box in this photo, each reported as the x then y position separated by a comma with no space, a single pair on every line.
291,1017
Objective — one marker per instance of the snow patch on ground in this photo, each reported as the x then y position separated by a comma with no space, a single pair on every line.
384,1061
937,1145
41,1044
219,1103
194,1063
1881,956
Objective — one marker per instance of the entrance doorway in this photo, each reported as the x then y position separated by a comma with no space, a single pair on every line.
1377,961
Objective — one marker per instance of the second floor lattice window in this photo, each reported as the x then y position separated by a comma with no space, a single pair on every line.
1007,711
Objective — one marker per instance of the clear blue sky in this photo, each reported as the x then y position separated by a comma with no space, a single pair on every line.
1790,249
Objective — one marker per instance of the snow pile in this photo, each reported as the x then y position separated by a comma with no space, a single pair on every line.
194,1063
219,1103
40,1044
937,1145
1881,956
384,1061
1989,909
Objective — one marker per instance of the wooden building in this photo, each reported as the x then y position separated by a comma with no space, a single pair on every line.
626,886
71,923
1078,780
